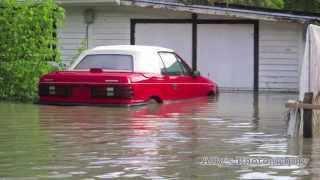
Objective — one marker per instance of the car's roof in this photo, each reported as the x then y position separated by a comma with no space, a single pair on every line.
129,49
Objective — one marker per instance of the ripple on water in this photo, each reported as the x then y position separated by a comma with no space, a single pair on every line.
265,175
110,175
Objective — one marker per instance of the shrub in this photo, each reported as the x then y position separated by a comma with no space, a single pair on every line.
28,42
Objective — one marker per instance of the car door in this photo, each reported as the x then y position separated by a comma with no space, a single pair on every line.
194,86
190,83
178,82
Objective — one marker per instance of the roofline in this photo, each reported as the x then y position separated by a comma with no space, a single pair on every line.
223,11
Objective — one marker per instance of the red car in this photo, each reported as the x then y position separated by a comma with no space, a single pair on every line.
124,75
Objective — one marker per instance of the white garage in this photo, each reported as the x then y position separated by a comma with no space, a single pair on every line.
227,61
239,49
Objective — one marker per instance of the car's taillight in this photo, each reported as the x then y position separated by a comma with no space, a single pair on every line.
54,90
112,91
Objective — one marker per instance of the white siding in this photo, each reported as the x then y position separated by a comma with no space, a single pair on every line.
72,34
280,52
111,26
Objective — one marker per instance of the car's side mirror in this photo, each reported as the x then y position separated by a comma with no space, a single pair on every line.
55,66
195,73
66,65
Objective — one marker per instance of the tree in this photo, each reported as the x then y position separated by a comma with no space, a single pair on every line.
296,5
260,3
28,44
303,5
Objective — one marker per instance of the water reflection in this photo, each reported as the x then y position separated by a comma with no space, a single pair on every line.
134,142
154,142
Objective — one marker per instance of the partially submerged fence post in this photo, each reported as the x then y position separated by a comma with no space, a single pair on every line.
304,110
307,116
316,117
294,119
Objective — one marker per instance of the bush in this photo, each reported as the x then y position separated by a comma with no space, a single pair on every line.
28,42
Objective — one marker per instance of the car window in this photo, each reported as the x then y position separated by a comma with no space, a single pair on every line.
162,67
107,61
185,67
172,64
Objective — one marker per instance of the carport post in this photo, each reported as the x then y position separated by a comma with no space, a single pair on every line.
194,41
256,57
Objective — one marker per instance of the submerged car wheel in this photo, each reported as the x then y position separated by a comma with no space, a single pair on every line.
155,100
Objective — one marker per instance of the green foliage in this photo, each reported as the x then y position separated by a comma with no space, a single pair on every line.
303,5
205,2
260,3
27,45
81,49
297,5
277,4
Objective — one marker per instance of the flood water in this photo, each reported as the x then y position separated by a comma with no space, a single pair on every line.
169,141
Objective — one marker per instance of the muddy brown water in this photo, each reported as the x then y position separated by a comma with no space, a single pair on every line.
193,139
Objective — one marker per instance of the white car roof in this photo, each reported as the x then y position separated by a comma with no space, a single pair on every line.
141,55
130,49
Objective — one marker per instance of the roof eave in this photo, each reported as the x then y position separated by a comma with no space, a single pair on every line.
221,11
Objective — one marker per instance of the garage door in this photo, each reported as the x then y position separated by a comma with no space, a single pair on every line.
226,54
225,51
173,36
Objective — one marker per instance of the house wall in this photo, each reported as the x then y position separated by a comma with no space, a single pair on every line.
111,26
281,49
280,43
73,34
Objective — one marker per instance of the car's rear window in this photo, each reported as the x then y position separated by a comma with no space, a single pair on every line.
107,61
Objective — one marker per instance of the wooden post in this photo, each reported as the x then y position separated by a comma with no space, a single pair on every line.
307,116
316,118
294,119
